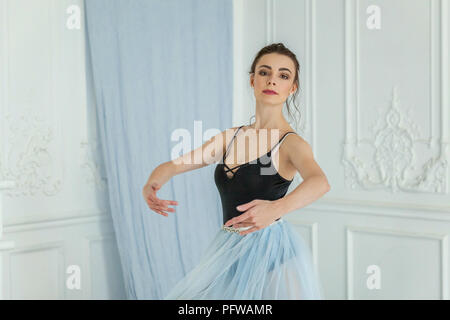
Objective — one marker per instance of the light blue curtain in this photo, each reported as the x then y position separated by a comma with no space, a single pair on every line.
159,65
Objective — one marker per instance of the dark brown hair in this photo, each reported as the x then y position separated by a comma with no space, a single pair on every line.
280,49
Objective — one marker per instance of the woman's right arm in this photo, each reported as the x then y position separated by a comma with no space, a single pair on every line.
210,152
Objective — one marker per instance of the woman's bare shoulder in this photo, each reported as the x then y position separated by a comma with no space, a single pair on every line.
232,130
227,134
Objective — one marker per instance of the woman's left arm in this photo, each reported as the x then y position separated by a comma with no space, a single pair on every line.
260,213
315,183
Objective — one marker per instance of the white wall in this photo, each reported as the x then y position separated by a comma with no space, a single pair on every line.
375,106
56,215
397,219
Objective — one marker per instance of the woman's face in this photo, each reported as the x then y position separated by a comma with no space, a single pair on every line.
274,72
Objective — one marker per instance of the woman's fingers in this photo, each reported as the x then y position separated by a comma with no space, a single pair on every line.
152,196
157,207
167,202
157,201
159,211
242,224
161,201
163,207
162,213
164,203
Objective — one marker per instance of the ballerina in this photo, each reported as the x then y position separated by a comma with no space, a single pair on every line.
256,254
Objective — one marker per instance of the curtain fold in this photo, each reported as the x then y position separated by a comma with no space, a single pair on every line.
157,67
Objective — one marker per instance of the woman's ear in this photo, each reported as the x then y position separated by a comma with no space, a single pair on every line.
295,89
252,79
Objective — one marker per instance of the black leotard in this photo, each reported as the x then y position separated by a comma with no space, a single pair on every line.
257,179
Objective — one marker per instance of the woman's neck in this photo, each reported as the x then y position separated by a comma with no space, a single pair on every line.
270,126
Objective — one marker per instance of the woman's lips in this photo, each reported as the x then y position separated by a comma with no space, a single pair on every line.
269,92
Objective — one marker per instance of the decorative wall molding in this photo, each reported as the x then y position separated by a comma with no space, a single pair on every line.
29,161
88,267
4,184
37,137
92,167
394,144
393,166
443,240
351,207
4,245
270,21
58,223
59,246
308,127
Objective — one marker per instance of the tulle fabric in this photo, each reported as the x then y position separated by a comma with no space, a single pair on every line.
273,263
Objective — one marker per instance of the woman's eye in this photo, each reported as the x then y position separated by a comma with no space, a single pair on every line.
263,73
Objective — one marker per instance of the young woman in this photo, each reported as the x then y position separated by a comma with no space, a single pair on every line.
256,254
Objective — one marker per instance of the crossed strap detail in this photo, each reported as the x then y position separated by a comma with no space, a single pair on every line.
247,163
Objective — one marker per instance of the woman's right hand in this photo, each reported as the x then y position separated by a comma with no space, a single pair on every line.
153,202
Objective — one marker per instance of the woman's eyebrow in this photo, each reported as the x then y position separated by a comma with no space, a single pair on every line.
264,65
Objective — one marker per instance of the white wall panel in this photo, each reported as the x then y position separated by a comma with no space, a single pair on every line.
55,213
375,109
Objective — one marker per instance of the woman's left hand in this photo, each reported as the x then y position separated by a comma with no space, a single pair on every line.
258,214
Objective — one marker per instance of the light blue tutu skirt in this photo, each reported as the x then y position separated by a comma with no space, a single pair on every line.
273,263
